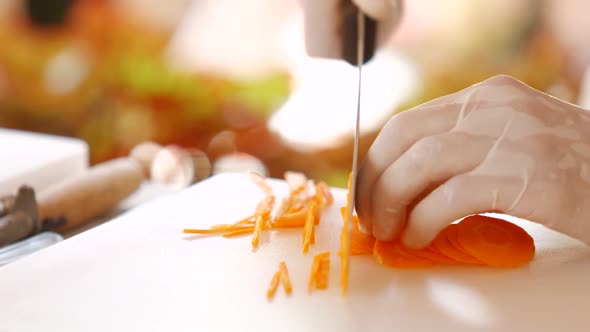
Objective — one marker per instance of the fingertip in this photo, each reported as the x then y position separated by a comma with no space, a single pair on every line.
416,241
364,229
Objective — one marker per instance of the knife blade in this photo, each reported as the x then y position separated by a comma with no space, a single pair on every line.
360,60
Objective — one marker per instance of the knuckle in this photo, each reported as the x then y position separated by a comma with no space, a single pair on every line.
504,80
425,149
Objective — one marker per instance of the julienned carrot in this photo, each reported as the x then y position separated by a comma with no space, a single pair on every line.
319,273
238,232
345,239
308,229
257,230
285,279
323,273
217,229
445,244
274,285
360,243
394,254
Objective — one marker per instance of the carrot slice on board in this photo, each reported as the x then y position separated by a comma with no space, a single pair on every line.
495,242
318,276
286,281
435,255
309,225
274,285
443,244
238,232
360,243
290,220
394,254
323,273
344,239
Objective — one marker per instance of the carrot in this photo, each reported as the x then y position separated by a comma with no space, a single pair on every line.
216,229
309,226
290,220
274,285
344,239
495,242
285,277
394,254
319,273
360,243
323,273
444,245
238,232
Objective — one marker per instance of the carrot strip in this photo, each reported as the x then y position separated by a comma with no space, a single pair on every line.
394,254
360,243
289,220
257,231
344,240
274,285
309,225
315,265
318,264
285,277
323,273
238,232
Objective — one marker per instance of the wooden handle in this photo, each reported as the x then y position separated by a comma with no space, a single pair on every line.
77,200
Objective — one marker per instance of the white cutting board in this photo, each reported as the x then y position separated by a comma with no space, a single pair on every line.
140,273
38,160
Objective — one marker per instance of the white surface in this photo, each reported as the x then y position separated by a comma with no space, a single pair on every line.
140,273
38,160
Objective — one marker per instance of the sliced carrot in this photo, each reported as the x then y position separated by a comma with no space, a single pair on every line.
238,232
315,266
285,277
394,254
309,225
290,220
257,231
274,285
323,273
495,242
360,243
318,276
433,254
345,239
444,245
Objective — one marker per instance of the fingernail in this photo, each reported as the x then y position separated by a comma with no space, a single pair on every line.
364,229
412,241
383,231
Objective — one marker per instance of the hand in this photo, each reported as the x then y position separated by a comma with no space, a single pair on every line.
498,146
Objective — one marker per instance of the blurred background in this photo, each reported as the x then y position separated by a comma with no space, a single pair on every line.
231,77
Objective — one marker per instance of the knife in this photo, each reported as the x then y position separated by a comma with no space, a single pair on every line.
360,60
